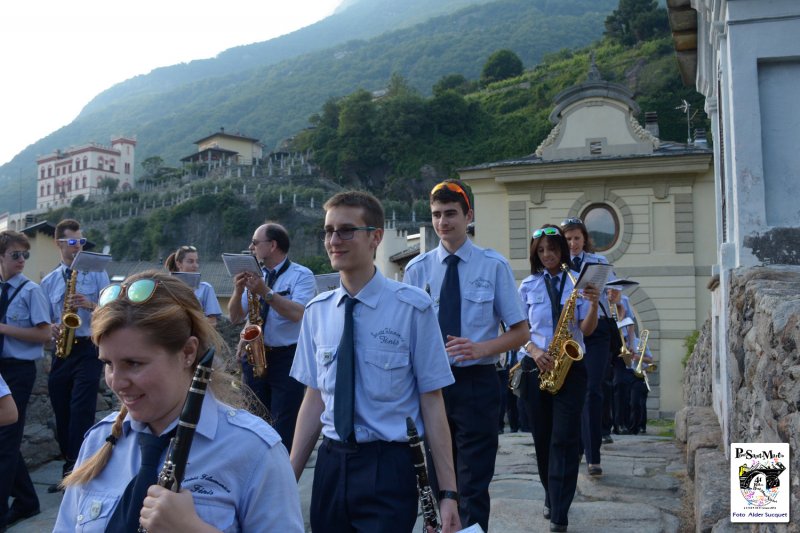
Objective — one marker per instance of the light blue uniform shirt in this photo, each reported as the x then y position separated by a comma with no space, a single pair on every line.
296,283
533,293
88,284
488,291
399,355
238,472
586,257
29,308
208,299
4,390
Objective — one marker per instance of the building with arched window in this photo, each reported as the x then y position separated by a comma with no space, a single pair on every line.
63,175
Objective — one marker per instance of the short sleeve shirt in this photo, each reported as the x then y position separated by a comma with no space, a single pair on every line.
29,308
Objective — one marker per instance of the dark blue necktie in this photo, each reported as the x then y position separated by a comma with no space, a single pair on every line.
344,394
269,279
126,516
554,291
3,306
450,300
576,263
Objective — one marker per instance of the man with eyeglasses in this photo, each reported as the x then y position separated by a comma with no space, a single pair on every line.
473,290
283,290
24,328
75,379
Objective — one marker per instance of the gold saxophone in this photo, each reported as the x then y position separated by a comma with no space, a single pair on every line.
70,321
563,348
640,372
253,337
624,353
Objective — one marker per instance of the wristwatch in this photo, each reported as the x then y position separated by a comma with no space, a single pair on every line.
448,494
269,296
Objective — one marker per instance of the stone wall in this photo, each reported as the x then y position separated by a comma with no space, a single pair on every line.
697,374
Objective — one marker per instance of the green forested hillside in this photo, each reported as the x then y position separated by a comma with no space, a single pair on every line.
273,102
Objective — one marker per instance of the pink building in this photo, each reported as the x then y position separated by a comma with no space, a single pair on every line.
63,175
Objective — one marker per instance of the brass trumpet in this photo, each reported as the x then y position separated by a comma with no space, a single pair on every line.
70,321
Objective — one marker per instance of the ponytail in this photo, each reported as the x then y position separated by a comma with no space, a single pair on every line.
92,467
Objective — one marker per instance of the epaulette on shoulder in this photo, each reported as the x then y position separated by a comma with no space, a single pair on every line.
414,296
321,297
417,259
494,254
253,424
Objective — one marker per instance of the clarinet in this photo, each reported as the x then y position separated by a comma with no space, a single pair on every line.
174,468
429,516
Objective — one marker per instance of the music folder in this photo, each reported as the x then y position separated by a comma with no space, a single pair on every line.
90,262
236,263
192,279
595,274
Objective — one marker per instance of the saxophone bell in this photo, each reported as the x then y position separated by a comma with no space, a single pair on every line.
254,348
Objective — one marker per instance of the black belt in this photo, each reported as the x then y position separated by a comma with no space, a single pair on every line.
470,370
280,348
83,339
356,446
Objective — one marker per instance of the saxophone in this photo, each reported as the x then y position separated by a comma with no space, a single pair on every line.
563,348
70,321
253,337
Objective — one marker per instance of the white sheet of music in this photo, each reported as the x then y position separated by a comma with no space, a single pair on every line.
90,262
595,274
236,263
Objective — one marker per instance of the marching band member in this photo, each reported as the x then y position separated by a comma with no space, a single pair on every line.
151,332
185,259
554,418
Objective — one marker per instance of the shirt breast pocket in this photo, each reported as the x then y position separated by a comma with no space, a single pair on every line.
18,313
217,514
326,370
479,310
95,510
384,373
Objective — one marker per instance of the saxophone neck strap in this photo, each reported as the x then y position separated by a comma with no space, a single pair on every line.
10,299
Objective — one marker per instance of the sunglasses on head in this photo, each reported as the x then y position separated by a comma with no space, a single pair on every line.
187,248
137,292
25,254
73,242
453,187
570,221
545,231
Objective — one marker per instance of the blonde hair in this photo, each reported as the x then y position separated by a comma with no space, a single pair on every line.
168,318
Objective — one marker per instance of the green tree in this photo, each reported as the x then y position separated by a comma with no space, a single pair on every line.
108,184
455,82
635,21
152,165
501,65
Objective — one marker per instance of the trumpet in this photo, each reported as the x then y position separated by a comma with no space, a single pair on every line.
640,372
253,337
625,353
70,321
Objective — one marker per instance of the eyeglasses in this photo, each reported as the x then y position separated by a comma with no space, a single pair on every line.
137,292
545,231
345,234
570,221
256,242
73,242
454,187
187,249
25,254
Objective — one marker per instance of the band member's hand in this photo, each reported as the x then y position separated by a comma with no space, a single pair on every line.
55,331
167,511
81,301
463,348
255,284
542,359
448,509
239,281
591,293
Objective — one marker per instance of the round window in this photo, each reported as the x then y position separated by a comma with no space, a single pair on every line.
603,226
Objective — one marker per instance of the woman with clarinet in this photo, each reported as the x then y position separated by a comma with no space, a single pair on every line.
152,333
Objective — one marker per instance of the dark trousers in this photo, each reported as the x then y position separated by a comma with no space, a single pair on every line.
623,380
638,406
73,385
14,479
596,360
280,393
555,421
508,403
366,487
608,404
473,408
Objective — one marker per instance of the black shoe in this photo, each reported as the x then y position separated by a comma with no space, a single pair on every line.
557,527
594,470
546,512
15,515
615,431
624,431
607,439
55,487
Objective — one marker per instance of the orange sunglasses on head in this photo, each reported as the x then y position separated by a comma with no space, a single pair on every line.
450,186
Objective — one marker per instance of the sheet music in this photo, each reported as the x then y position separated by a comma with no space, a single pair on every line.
236,263
192,279
627,321
595,274
90,262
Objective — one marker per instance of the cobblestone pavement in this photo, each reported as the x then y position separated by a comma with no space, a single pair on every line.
640,490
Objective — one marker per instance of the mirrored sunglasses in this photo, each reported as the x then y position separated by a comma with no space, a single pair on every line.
25,254
73,242
137,292
571,221
545,231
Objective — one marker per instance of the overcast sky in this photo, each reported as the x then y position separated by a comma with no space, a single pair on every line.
55,56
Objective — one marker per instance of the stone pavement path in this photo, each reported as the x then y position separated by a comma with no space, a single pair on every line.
640,491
